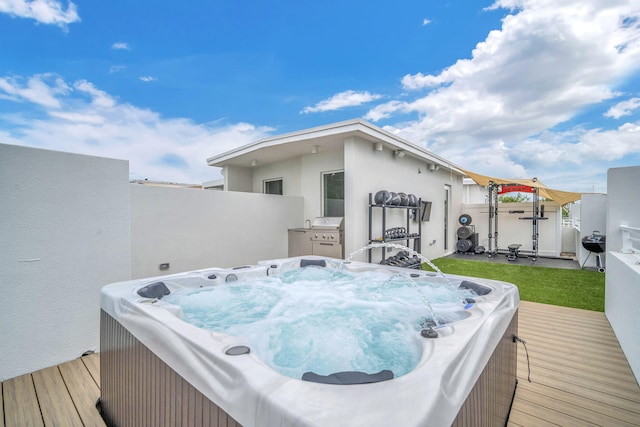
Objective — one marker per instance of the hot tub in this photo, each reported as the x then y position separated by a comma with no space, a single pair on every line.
159,368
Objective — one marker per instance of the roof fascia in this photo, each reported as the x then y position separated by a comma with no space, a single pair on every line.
317,132
355,126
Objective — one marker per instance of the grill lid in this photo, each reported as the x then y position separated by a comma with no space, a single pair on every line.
595,242
328,223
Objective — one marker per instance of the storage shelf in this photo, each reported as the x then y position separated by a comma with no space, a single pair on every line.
411,212
394,206
394,240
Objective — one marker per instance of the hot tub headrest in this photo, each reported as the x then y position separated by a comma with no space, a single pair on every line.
154,290
475,287
316,262
348,377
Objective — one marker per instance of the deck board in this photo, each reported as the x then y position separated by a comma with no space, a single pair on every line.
20,401
576,402
518,418
55,403
575,376
83,390
92,363
580,377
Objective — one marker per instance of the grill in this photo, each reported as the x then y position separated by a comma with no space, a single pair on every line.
595,243
327,234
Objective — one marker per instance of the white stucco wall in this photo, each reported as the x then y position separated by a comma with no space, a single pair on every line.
512,230
192,229
313,166
623,205
65,233
368,171
238,178
301,176
289,171
593,217
473,193
570,240
623,270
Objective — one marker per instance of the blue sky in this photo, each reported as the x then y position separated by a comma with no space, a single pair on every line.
511,88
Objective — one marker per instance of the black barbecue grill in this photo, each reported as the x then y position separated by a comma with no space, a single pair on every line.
595,243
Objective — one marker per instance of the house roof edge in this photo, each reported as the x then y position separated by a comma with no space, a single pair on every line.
352,125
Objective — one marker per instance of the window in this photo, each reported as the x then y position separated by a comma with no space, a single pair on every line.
273,186
333,193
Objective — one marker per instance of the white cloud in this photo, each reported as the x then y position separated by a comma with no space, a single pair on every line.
348,98
41,89
577,156
426,21
120,46
546,64
84,119
98,98
541,68
148,79
116,68
44,11
384,111
624,108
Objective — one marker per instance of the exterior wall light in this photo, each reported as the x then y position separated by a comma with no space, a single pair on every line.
399,154
378,146
254,163
314,149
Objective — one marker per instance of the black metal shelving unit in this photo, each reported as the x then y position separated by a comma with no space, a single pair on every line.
410,212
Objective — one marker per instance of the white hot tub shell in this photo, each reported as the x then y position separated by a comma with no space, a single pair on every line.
157,369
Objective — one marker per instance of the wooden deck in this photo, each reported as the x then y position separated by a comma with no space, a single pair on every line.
578,371
63,395
579,375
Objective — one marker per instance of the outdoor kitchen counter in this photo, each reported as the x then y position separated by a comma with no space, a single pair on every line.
323,238
300,241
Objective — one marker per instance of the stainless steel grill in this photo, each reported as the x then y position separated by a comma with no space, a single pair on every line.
327,229
327,235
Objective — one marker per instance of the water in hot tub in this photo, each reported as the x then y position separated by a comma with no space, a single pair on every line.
324,320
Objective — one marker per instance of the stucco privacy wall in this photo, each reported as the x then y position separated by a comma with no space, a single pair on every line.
623,272
593,214
368,171
512,230
65,233
192,229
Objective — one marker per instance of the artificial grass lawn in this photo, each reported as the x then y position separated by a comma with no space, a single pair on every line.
568,288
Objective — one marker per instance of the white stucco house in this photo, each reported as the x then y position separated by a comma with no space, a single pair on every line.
348,161
364,159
